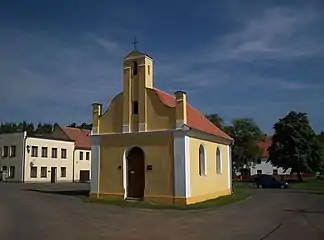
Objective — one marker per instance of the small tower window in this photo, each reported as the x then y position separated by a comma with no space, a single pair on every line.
134,68
135,107
149,70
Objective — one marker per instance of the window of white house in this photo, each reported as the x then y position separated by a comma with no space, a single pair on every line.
12,172
81,156
63,153
33,172
218,161
34,152
1,151
275,171
4,168
63,171
87,155
5,151
54,152
259,172
202,161
44,151
43,172
13,151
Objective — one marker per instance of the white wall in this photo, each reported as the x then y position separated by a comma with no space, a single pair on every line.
12,139
267,168
48,161
81,164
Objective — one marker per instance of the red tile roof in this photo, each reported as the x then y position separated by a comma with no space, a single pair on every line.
81,137
195,119
264,145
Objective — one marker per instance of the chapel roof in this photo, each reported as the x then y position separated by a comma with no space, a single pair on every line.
81,137
136,53
195,119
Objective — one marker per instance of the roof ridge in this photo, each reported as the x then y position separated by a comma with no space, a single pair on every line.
209,127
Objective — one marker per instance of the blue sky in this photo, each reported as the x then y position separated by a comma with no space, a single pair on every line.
257,59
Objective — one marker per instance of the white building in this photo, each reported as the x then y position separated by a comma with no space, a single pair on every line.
264,167
82,150
58,157
12,152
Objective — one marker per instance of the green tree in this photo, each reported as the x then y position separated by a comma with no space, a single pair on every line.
86,126
295,145
73,125
216,119
44,128
320,138
245,133
81,126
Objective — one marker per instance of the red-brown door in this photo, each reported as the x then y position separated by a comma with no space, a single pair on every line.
136,173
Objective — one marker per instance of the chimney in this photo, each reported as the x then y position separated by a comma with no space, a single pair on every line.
181,108
96,114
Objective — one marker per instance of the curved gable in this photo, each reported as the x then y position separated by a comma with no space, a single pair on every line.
159,115
195,119
111,120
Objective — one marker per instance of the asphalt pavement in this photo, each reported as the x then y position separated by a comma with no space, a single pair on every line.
55,211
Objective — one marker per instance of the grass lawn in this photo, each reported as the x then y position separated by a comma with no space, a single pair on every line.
311,185
239,194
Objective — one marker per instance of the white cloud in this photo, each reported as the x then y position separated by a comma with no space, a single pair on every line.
277,83
37,68
278,34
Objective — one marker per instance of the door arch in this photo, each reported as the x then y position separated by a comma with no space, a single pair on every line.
135,173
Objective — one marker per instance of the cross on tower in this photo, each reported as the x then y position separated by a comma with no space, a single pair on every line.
135,43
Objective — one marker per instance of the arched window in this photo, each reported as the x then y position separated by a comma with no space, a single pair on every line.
202,161
218,161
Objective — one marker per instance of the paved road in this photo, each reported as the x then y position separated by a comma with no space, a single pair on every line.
269,214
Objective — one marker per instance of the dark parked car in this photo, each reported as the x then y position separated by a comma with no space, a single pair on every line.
268,181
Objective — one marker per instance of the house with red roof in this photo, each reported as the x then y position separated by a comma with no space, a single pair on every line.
81,162
153,146
262,166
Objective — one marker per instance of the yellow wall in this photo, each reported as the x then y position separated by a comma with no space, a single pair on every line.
158,151
159,116
111,120
212,185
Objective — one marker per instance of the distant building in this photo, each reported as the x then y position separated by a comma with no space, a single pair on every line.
264,167
50,158
82,150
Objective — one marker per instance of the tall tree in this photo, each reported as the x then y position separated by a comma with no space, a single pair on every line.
320,138
295,145
216,119
245,133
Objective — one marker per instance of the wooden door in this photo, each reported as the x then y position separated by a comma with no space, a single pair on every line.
84,175
136,173
53,174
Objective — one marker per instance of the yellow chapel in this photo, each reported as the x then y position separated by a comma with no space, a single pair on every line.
155,147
